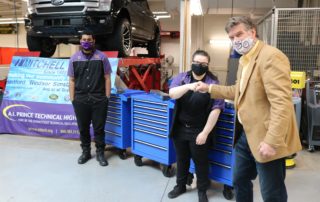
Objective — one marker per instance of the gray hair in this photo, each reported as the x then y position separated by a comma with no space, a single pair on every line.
234,21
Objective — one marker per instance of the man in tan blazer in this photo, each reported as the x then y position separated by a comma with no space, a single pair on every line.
265,112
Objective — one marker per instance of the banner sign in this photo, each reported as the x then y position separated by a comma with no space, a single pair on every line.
36,100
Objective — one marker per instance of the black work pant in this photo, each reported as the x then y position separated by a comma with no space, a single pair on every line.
186,148
95,113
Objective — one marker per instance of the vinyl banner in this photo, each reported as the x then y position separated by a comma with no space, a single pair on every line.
36,100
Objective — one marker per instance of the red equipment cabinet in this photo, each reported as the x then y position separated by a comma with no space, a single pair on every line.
3,84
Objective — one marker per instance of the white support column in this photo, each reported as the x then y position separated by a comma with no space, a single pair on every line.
185,38
197,33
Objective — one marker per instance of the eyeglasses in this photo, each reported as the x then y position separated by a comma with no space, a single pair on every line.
203,64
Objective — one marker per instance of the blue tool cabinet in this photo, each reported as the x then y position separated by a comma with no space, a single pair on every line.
221,154
118,123
151,122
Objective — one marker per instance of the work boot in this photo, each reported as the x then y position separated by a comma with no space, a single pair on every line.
85,156
177,191
202,196
101,159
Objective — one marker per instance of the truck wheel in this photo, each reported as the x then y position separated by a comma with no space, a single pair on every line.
34,43
154,46
48,47
121,38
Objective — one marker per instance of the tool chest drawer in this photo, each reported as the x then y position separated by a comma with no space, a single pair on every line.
220,172
151,122
118,123
220,156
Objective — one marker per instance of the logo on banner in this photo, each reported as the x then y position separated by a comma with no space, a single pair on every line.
8,114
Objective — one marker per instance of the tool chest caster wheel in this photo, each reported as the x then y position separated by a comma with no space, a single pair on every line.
138,160
228,192
167,171
123,154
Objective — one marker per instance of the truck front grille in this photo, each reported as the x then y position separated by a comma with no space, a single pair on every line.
69,1
60,9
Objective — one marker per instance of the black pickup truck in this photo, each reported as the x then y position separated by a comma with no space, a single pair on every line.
118,25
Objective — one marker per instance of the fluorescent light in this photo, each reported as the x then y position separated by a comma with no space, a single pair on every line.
220,42
160,12
196,7
11,20
163,16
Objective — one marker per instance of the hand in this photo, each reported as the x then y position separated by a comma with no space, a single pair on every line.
266,150
201,138
202,87
192,86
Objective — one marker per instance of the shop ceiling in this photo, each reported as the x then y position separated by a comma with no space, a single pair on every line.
17,8
255,8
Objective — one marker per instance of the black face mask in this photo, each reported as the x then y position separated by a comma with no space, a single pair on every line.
199,69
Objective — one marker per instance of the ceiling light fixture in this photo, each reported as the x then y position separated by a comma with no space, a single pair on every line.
11,20
160,12
163,16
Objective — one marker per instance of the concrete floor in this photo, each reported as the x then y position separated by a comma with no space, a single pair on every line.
37,169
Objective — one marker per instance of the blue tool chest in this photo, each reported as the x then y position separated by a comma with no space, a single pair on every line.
118,123
221,154
151,122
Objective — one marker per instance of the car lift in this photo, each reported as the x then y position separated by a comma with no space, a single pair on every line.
140,73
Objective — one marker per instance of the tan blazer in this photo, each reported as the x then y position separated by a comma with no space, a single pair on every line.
265,104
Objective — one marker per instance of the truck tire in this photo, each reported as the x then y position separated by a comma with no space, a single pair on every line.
121,38
48,47
154,46
34,43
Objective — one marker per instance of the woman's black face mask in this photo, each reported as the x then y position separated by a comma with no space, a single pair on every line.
199,69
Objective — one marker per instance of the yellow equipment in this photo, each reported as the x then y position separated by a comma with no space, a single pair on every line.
298,81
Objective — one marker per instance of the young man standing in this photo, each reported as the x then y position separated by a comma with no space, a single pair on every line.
89,88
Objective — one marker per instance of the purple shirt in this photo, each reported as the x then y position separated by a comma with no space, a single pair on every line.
97,55
186,78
